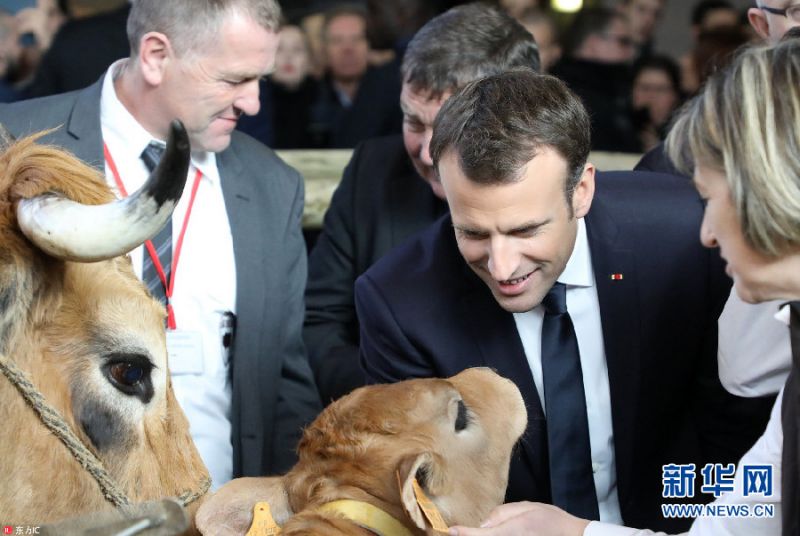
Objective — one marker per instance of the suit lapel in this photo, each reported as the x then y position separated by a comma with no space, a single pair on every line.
413,204
83,124
615,274
243,214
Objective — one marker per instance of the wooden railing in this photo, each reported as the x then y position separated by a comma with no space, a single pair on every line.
322,170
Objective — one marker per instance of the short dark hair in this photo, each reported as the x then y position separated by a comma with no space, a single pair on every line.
463,44
659,62
497,125
396,20
792,33
704,7
588,21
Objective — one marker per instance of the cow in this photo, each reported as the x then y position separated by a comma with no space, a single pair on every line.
454,436
82,343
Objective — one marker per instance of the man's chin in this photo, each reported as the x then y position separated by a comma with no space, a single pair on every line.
216,144
515,304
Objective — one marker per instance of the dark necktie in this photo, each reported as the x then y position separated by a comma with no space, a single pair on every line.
571,476
162,242
790,415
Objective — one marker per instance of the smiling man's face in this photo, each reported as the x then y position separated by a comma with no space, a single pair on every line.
517,236
210,90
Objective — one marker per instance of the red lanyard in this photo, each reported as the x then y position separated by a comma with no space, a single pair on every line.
168,285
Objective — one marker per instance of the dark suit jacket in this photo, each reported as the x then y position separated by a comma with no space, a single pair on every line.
81,51
656,159
379,203
423,312
375,110
273,388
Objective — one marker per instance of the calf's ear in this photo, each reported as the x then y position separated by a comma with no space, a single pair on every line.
229,511
427,471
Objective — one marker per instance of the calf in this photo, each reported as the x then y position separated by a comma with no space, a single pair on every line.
454,436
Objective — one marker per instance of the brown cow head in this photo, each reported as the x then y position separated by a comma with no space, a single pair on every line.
87,334
454,436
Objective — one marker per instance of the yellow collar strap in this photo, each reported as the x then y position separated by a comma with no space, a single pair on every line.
367,516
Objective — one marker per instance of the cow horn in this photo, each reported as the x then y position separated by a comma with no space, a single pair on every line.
72,231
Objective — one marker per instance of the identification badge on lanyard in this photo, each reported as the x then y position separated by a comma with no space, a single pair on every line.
184,352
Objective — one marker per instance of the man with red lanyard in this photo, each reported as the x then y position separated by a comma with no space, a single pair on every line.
231,266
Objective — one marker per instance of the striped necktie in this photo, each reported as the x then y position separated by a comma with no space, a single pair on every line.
162,242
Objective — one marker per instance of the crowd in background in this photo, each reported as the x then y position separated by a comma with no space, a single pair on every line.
336,80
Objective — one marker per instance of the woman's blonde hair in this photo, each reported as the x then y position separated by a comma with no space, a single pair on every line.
746,124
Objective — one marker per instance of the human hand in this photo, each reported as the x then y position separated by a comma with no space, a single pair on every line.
526,518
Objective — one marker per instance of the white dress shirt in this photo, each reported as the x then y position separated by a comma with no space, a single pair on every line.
205,284
766,451
584,310
754,351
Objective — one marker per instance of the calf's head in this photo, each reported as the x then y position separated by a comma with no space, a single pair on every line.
455,436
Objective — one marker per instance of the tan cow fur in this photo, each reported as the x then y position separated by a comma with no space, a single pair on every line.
356,448
56,319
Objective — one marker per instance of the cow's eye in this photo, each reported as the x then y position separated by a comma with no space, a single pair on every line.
462,418
126,373
130,374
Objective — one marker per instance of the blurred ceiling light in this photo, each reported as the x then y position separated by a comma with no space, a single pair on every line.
567,6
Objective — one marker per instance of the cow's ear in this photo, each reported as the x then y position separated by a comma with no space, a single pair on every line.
229,511
428,474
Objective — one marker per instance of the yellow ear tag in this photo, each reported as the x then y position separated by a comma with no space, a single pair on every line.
263,524
428,508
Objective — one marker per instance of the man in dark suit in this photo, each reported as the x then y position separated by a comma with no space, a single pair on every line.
355,101
600,305
247,393
389,189
81,51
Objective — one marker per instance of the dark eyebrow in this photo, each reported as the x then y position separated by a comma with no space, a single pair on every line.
406,111
530,226
411,116
465,229
243,77
525,227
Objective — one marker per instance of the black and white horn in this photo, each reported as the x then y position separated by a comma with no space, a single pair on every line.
72,231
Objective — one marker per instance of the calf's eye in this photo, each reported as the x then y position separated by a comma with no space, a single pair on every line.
462,418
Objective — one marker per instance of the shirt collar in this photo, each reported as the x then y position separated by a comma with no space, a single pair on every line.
578,271
784,314
121,124
115,118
